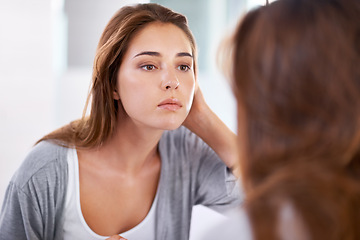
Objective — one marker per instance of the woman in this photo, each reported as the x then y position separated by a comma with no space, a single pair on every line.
128,168
296,77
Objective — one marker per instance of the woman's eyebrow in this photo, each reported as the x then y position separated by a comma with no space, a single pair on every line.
184,54
157,54
149,53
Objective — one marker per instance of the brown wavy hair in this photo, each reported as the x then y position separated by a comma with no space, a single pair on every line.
91,131
297,82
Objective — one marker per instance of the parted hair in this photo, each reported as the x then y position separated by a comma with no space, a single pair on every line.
93,129
296,72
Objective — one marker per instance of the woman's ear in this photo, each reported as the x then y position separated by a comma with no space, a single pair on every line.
116,95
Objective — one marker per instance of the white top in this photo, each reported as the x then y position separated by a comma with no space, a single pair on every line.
75,226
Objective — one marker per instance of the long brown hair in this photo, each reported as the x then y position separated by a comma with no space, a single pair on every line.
93,130
297,82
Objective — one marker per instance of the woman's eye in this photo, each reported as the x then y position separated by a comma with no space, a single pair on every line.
148,67
184,68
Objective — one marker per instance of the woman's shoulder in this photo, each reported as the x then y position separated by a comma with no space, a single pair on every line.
46,160
177,134
186,148
183,138
36,192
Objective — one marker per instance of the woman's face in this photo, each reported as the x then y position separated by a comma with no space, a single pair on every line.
156,80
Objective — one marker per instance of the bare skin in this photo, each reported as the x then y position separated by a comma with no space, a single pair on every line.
111,189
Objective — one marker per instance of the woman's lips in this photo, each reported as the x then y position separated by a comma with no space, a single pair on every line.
171,104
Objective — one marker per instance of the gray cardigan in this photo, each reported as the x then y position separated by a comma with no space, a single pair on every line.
191,173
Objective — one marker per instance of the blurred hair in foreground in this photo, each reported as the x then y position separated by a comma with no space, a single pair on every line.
296,77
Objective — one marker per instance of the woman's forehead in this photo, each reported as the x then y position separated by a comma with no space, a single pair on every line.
160,37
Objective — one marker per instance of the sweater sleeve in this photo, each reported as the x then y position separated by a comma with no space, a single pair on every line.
34,199
20,218
214,184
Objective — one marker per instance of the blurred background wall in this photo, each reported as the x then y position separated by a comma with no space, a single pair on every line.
46,53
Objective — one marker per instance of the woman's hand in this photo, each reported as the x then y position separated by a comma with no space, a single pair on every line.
199,110
208,126
115,237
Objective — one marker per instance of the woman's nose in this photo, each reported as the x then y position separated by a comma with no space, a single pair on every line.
170,81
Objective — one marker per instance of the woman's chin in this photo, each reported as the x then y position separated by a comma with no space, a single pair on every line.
170,125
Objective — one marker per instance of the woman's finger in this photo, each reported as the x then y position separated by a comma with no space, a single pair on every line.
115,237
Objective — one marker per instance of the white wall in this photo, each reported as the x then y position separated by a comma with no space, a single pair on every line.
26,83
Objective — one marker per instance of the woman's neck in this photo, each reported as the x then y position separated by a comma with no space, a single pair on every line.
130,149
